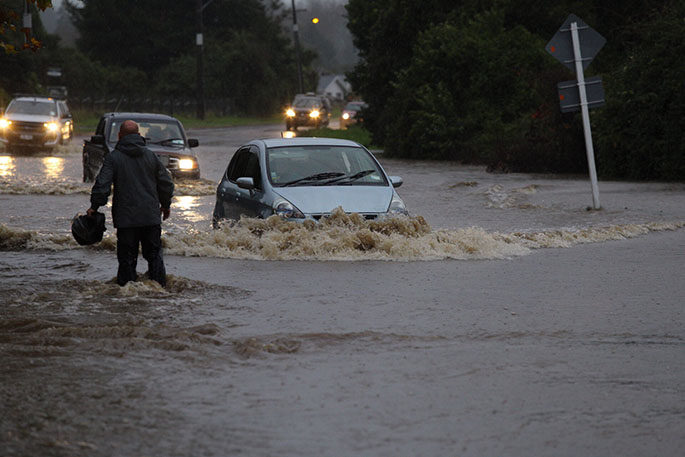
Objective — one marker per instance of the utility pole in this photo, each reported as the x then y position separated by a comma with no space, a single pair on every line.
297,48
199,39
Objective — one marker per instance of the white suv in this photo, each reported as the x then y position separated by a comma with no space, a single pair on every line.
36,122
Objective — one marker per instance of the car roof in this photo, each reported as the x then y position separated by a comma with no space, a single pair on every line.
133,115
37,98
307,141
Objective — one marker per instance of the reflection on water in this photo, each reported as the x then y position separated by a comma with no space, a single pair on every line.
188,205
7,166
54,167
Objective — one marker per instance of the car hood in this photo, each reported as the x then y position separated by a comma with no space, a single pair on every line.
168,150
324,199
29,117
163,150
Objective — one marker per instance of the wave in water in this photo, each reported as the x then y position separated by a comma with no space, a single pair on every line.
348,237
29,186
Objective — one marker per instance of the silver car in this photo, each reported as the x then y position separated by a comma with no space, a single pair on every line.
305,178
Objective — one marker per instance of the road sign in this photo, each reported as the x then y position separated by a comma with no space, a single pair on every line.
569,94
561,44
575,45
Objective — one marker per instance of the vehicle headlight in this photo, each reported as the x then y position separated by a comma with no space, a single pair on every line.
314,114
290,112
397,205
284,208
4,123
186,164
346,116
51,126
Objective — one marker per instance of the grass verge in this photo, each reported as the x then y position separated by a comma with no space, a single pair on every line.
353,133
86,121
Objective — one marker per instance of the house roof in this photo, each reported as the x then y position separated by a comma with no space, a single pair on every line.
326,80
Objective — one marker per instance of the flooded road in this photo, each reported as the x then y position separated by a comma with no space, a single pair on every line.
501,318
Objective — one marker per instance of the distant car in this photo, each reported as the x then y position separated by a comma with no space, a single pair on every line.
36,122
305,178
164,135
308,110
351,114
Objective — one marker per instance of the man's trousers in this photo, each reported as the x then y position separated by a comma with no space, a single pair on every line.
150,238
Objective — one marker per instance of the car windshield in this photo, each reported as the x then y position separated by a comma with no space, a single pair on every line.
323,165
307,103
155,131
32,107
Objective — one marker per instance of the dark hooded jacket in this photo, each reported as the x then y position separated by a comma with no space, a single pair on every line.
141,184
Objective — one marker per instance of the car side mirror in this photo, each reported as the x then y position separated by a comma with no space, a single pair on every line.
193,142
97,139
245,183
396,181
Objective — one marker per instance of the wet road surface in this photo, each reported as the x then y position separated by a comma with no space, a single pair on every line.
503,318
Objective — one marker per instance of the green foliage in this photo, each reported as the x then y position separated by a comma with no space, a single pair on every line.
470,81
643,126
147,49
11,23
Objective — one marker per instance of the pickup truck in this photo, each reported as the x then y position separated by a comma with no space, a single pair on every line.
164,135
35,122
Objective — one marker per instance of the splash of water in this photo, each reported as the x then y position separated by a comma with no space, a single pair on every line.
65,186
349,237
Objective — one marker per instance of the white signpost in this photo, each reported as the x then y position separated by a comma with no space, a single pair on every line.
574,40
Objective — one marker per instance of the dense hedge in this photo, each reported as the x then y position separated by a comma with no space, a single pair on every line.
471,81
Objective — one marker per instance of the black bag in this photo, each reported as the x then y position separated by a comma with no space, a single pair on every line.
88,230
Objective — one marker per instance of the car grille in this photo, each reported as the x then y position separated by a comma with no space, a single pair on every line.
27,126
367,216
165,160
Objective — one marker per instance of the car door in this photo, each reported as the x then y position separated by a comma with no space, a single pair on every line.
248,200
237,201
94,152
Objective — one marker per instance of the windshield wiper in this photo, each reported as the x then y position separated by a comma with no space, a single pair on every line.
316,177
348,179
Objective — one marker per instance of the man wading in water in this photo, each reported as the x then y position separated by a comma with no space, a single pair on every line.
142,193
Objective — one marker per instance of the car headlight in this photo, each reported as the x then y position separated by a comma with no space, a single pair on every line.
51,126
186,164
284,208
346,116
290,112
4,123
314,114
397,205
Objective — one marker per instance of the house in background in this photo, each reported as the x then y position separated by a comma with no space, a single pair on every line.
335,87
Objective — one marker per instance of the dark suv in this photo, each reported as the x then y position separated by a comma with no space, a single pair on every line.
164,135
308,110
36,122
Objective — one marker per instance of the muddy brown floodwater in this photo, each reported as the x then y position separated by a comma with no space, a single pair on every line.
501,318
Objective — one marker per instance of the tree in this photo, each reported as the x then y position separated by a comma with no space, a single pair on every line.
462,97
642,129
468,81
247,56
10,18
384,31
